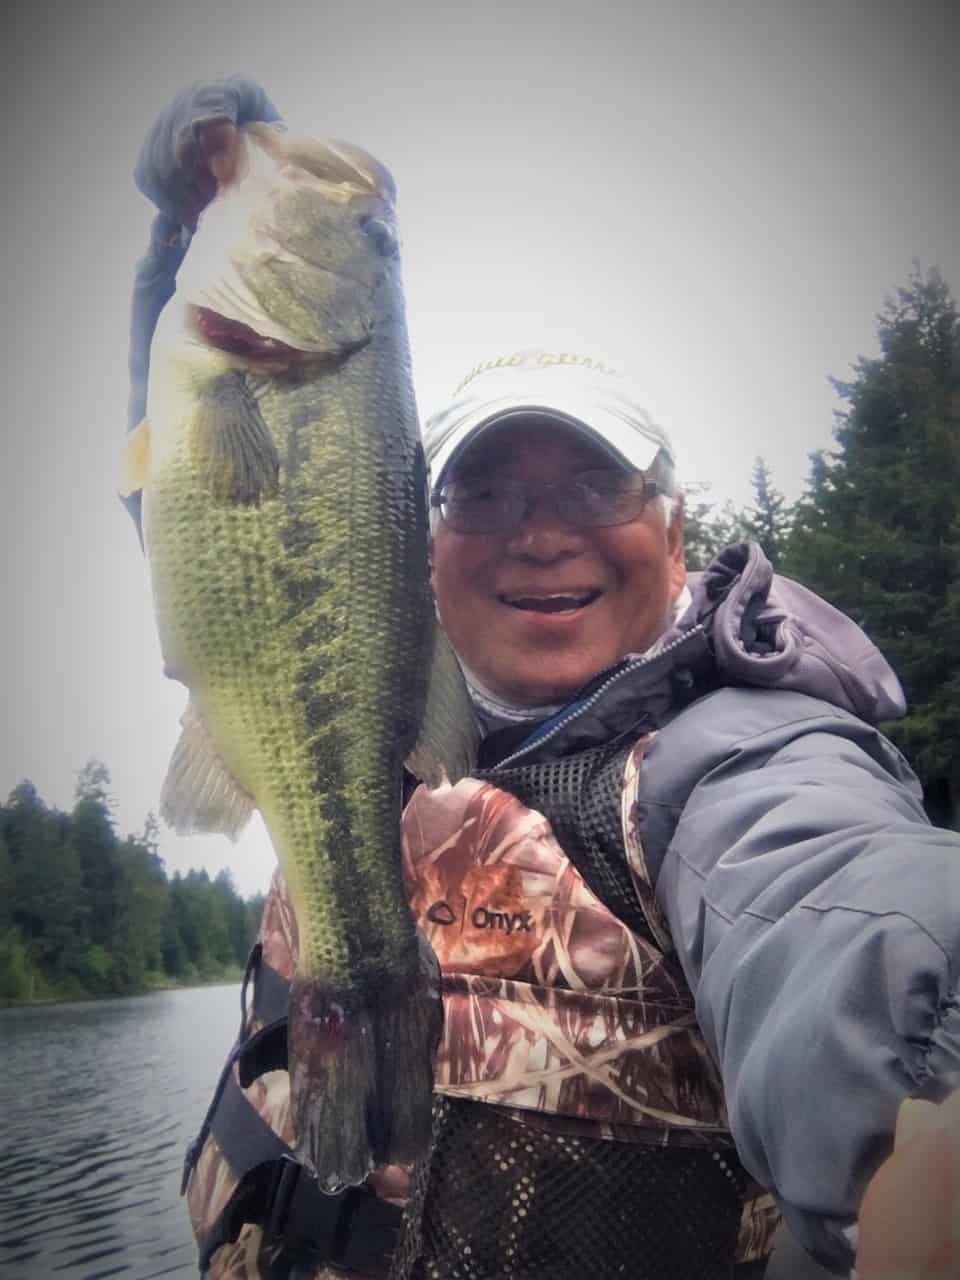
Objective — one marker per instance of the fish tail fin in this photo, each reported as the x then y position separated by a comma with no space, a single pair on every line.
361,1073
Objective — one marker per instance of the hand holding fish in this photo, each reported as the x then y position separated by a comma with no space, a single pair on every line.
185,153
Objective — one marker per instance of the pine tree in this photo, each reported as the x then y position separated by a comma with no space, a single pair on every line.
93,783
8,884
706,531
767,522
878,533
94,839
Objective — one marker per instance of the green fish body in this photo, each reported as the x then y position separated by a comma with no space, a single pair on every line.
285,524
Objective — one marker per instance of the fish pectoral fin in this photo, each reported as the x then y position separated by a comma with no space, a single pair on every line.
232,445
135,460
200,794
446,749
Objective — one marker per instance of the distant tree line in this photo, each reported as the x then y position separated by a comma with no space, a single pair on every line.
84,912
877,530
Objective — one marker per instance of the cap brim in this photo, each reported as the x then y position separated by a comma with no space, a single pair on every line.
619,439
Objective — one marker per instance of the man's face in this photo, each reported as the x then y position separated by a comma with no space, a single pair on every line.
493,590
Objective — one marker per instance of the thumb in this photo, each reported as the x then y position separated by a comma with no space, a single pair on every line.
221,146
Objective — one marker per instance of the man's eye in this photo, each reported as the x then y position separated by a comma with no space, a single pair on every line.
604,483
598,490
479,493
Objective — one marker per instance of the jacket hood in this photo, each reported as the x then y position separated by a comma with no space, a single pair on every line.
770,631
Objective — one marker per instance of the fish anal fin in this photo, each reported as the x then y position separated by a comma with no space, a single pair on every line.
135,461
232,445
200,795
446,749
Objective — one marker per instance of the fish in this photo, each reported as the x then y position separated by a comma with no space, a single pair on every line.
283,493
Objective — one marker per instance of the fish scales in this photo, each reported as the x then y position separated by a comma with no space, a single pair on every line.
286,528
298,705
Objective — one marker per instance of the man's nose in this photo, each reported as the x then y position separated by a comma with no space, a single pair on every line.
543,534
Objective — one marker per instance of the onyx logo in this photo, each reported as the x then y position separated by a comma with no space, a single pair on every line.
441,913
507,921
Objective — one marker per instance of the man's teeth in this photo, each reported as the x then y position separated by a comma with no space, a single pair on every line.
554,603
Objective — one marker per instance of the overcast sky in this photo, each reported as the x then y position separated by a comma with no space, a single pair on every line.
714,196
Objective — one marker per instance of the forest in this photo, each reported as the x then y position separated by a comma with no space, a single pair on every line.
876,532
84,912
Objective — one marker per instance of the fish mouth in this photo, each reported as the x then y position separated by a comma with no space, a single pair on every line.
550,601
239,339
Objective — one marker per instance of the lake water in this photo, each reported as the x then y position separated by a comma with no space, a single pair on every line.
98,1102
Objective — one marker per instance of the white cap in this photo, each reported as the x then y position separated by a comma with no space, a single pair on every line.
560,386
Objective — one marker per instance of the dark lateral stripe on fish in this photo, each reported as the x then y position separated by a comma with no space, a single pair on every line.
239,339
307,597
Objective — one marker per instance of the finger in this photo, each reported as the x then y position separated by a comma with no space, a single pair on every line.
392,1182
220,147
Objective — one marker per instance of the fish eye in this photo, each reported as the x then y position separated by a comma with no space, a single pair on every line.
382,234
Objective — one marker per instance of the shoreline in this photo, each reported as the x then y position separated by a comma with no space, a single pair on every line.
224,980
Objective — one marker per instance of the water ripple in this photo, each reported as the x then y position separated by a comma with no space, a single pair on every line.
99,1101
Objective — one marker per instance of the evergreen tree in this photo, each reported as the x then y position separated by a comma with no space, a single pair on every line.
8,884
767,522
173,949
706,531
141,898
93,782
14,964
254,912
878,533
94,839
48,909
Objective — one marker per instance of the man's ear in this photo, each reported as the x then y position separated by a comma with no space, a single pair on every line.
676,551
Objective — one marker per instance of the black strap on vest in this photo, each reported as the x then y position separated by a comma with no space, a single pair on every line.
353,1229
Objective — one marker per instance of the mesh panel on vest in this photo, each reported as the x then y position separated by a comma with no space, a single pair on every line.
502,1200
580,797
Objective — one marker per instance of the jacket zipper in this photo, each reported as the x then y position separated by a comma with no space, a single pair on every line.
697,629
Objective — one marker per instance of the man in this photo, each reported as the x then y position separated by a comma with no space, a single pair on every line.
695,929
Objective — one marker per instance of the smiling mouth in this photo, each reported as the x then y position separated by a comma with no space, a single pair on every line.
556,602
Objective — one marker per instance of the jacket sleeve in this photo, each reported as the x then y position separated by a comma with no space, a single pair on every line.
170,173
816,913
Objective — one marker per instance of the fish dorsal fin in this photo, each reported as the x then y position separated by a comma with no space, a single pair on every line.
233,447
135,460
446,749
200,794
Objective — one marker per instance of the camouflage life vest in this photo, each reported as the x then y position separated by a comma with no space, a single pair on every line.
601,1145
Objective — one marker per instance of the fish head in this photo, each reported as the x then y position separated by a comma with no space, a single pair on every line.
300,249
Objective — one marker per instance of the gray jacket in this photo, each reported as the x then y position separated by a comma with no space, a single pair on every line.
814,909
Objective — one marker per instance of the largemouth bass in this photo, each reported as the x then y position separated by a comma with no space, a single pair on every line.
285,525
